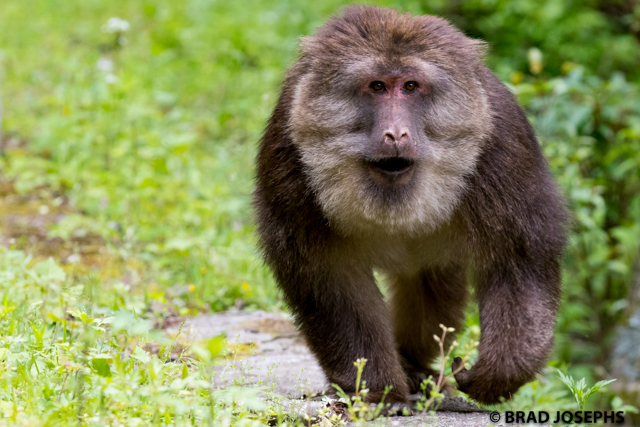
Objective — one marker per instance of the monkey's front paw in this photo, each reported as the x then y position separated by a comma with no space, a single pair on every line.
483,385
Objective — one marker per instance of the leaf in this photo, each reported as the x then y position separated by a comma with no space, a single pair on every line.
618,405
85,319
179,244
126,321
54,318
50,271
141,356
216,345
185,371
568,381
618,267
101,366
597,386
38,334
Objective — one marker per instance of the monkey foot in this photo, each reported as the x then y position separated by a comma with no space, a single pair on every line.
489,392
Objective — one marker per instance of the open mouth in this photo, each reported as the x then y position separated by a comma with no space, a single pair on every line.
391,166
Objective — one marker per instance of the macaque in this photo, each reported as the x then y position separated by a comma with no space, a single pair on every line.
394,148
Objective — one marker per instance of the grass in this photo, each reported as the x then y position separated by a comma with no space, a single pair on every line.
149,150
126,173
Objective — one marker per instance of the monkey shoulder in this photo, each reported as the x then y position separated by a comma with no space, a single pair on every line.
290,222
511,198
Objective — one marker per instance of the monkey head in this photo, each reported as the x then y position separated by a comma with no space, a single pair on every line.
389,117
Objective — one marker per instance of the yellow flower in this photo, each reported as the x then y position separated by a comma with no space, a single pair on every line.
192,287
246,286
517,78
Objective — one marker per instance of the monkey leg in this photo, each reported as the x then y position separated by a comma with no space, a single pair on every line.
518,307
343,317
420,304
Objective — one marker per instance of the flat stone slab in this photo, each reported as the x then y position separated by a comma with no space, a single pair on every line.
269,352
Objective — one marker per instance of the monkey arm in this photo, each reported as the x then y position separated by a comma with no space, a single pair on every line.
337,307
343,317
518,306
516,219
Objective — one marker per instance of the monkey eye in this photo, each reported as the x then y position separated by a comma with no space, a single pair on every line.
410,86
377,86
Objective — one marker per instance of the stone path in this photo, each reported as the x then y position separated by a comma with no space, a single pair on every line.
269,352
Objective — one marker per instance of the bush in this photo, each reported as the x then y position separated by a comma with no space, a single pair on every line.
590,132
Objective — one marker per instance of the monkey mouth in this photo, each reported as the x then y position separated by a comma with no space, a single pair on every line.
391,170
392,166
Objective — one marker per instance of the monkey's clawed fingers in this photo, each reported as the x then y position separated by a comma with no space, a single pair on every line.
461,374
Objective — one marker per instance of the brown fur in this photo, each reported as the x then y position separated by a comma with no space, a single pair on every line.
478,199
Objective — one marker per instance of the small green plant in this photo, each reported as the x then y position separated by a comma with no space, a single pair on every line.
579,388
434,388
356,405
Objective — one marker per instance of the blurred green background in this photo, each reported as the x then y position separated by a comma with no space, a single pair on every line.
128,135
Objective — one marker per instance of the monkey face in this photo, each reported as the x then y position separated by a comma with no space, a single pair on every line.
387,132
390,101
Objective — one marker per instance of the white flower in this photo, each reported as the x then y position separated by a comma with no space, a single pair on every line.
71,259
111,78
105,64
115,25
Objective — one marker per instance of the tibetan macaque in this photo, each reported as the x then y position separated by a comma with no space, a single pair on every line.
393,148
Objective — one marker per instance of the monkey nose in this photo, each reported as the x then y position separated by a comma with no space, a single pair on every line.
396,137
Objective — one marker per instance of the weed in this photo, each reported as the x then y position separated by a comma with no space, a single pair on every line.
433,388
580,390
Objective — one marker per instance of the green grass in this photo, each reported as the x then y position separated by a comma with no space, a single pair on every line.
125,183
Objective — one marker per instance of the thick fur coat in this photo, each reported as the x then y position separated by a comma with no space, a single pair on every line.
479,203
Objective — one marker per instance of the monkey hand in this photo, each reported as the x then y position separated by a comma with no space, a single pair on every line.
482,385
